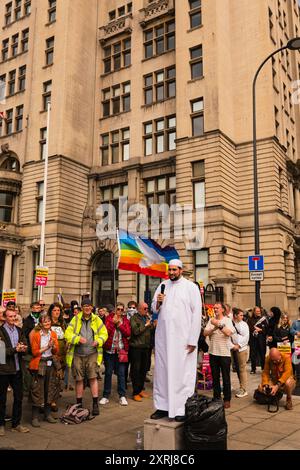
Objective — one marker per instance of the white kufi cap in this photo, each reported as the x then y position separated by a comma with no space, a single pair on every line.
176,262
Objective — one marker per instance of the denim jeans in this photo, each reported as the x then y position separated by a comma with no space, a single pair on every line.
112,364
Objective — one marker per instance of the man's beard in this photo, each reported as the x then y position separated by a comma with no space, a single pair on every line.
175,278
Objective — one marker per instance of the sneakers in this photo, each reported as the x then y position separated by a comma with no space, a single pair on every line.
2,431
104,401
123,401
144,394
20,428
289,404
137,398
241,393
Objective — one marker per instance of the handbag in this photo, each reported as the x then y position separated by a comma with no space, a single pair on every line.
123,355
269,400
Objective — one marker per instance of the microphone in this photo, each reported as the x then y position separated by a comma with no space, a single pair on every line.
162,291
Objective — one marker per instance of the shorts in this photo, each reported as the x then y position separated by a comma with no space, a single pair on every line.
85,367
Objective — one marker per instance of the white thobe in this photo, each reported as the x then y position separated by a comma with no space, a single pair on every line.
179,325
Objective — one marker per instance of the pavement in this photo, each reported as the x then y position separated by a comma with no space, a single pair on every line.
250,426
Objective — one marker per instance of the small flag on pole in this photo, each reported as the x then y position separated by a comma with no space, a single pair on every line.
2,115
143,255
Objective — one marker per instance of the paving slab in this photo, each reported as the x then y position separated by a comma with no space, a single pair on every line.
252,435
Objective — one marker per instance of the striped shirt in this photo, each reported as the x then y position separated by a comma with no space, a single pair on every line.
220,344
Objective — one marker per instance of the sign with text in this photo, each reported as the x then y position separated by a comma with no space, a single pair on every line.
256,275
9,295
256,263
41,276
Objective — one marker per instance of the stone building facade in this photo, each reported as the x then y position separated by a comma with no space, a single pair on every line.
149,99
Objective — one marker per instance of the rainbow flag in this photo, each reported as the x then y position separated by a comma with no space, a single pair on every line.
143,255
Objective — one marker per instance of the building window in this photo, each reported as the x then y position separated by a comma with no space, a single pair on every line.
160,135
27,8
116,99
18,12
22,78
197,117
112,15
40,201
49,52
6,206
114,145
110,195
195,13
8,13
159,39
2,88
198,184
9,121
19,118
117,56
201,266
160,191
15,45
51,11
121,11
43,141
196,62
47,86
160,85
11,82
105,149
25,39
5,44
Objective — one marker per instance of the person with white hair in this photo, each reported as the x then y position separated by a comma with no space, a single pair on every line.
178,304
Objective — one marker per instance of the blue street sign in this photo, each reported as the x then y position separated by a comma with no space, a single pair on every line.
256,263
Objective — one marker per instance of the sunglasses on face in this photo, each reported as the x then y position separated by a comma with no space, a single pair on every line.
42,305
120,309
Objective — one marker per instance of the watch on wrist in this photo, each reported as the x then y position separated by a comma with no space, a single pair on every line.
221,327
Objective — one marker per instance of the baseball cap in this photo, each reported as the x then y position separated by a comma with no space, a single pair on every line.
86,302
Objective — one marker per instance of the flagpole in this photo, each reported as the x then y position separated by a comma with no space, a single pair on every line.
43,225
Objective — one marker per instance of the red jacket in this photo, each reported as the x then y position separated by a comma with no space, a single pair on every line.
124,328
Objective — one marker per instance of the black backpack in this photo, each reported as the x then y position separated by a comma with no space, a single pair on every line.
267,399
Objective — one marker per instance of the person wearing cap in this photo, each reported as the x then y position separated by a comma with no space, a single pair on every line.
86,335
178,305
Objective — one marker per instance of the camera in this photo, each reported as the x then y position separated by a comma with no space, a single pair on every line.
268,390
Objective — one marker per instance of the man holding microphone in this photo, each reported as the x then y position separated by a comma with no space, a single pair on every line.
178,304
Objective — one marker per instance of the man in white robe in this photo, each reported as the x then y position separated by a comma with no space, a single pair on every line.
176,339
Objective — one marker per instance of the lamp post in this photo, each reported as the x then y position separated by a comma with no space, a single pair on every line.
293,44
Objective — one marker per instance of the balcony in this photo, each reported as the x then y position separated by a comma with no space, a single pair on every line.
155,9
116,27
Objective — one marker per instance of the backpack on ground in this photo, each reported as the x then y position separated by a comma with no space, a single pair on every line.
75,414
272,401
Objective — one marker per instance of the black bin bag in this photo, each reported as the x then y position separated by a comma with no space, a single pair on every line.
205,427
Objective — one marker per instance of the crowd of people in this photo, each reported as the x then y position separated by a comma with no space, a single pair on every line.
53,348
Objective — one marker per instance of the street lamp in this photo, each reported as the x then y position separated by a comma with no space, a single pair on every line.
293,45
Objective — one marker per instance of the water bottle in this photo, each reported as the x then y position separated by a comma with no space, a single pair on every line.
139,441
2,352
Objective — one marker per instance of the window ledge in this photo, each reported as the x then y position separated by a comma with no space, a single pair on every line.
50,23
103,75
47,66
158,55
15,21
114,115
196,79
15,94
13,57
11,134
195,28
157,102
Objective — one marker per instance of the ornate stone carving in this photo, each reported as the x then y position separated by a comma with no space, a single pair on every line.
118,26
156,9
5,148
3,227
